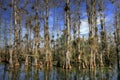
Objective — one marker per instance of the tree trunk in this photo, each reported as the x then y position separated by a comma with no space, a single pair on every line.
16,34
103,35
74,31
67,64
10,49
0,35
117,37
26,61
91,12
47,39
27,45
36,36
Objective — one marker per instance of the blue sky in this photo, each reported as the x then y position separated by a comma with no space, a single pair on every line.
84,27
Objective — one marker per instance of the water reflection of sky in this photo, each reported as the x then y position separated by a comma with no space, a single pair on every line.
57,74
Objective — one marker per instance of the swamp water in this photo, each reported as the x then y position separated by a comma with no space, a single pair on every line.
57,74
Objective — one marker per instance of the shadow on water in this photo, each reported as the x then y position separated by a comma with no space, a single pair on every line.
32,73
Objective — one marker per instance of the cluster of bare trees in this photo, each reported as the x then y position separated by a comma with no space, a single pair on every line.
29,33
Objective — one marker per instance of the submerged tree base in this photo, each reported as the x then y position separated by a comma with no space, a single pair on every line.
48,64
17,64
40,65
26,64
67,66
33,73
11,66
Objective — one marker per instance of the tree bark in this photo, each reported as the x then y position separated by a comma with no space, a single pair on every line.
67,64
92,20
48,53
10,48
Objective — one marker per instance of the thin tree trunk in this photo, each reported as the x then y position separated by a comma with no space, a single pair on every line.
27,45
11,50
16,33
102,32
0,36
74,31
36,36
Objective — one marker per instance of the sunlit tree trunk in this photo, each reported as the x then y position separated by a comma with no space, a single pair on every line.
74,47
94,22
20,33
91,12
67,64
27,45
10,49
47,38
79,48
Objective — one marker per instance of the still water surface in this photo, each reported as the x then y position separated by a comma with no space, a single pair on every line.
57,74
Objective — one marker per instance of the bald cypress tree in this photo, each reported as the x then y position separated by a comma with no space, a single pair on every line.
117,30
92,20
11,46
103,32
67,64
48,54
